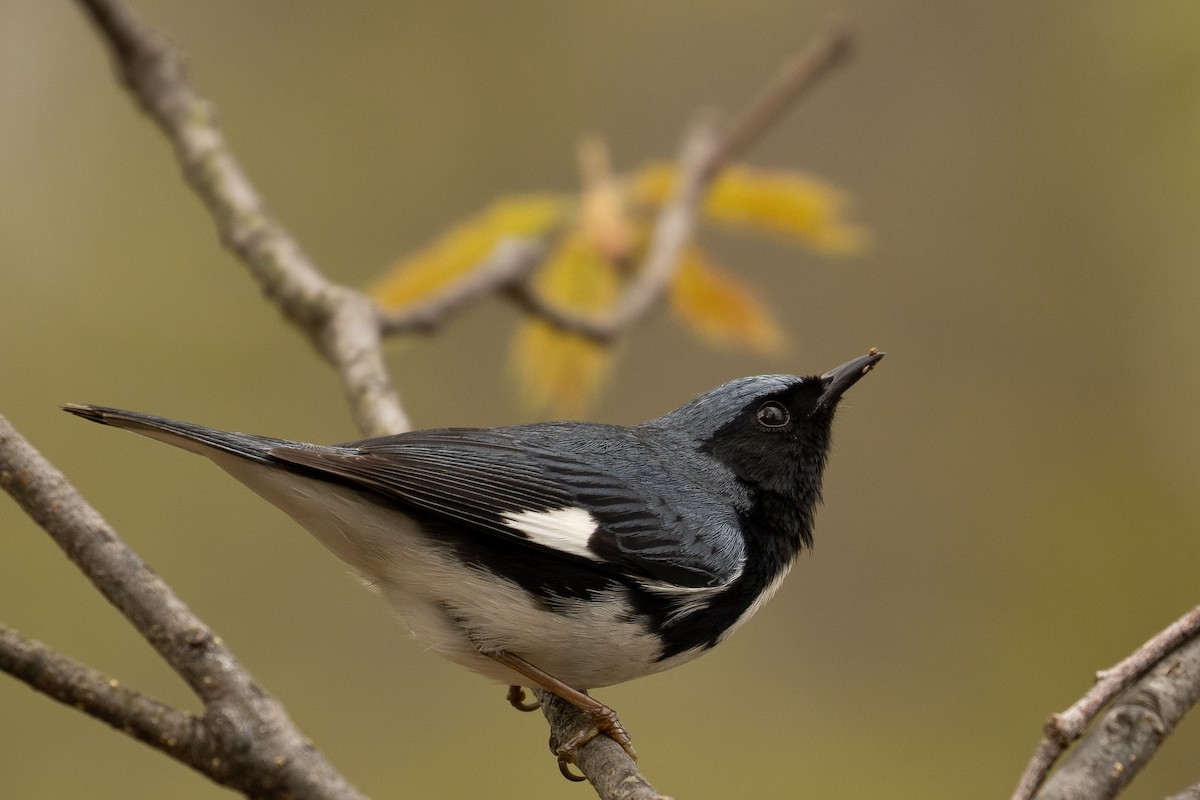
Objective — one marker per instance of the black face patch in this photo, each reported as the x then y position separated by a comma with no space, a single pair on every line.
776,440
776,446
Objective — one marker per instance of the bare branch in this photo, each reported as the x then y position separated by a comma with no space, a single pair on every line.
339,320
246,740
828,49
509,264
610,770
1064,728
1127,736
672,232
183,641
96,695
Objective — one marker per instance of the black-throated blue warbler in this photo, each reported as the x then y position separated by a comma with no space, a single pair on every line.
567,555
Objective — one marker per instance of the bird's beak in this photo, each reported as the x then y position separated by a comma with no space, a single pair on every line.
839,379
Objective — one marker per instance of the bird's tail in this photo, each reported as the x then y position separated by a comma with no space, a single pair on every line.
198,439
305,494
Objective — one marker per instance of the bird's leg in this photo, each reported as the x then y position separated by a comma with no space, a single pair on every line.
602,718
516,699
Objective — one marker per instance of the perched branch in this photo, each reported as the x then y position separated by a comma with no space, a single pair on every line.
1127,736
340,321
612,773
244,740
1064,728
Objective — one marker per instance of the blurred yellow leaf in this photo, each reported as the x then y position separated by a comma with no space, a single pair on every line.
460,250
652,183
563,371
781,202
719,307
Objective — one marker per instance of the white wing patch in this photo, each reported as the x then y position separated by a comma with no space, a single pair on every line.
567,529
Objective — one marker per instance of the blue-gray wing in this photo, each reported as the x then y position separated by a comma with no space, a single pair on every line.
592,493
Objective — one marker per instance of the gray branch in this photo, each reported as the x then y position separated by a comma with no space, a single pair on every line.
340,321
1128,735
88,690
611,771
672,232
1064,728
244,740
508,265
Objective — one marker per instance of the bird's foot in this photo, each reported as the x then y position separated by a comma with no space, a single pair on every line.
602,720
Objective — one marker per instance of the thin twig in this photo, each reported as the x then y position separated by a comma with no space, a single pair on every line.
90,691
1064,728
1124,740
245,739
672,232
340,321
828,49
509,263
676,223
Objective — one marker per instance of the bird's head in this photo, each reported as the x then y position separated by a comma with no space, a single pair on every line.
772,431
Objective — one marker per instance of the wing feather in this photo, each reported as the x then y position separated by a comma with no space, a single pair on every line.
486,480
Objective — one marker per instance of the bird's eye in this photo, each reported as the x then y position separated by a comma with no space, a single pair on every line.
772,415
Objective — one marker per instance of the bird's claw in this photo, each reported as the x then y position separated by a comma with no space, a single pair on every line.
516,699
600,718
564,766
603,721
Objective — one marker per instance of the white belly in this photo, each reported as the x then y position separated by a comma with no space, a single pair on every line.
455,611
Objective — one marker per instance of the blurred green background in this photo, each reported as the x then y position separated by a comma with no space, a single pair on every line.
1012,499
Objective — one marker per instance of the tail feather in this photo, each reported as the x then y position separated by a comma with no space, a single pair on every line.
185,435
329,506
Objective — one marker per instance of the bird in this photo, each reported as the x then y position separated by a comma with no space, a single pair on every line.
568,556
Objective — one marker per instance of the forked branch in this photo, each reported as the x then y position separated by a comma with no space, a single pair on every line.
340,321
1174,656
244,739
